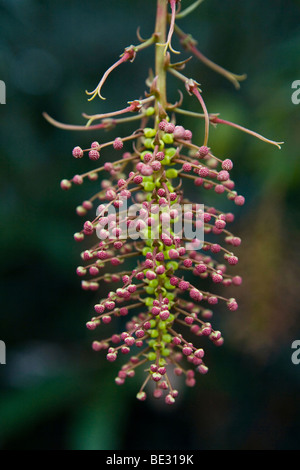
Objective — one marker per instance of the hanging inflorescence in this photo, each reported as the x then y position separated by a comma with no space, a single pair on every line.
161,296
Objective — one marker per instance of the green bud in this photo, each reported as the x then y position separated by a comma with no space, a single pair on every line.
169,286
153,333
151,356
165,352
171,173
149,301
149,132
149,290
153,283
147,179
168,139
162,325
163,291
171,317
149,144
150,111
171,297
173,265
166,160
170,152
149,187
167,338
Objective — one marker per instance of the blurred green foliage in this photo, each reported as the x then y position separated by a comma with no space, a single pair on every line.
55,392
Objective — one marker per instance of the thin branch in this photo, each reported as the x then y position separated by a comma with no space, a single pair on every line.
190,44
188,10
216,120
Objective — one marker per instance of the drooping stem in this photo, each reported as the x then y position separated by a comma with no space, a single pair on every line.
160,70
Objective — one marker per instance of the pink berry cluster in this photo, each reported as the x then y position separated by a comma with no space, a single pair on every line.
162,298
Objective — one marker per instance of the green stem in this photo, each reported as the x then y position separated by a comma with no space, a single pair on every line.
160,69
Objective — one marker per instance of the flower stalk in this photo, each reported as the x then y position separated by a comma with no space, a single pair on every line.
175,243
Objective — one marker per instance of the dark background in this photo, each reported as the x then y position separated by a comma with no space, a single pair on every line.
55,392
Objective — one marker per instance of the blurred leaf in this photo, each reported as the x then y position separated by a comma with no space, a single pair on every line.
99,423
20,410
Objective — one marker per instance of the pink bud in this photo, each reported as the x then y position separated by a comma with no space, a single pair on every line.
173,254
232,260
183,285
223,175
169,128
99,308
203,152
129,341
237,280
187,351
150,275
199,353
91,325
179,132
217,278
156,165
174,281
106,319
123,311
111,357
160,156
138,179
160,270
65,185
186,167
188,135
169,400
203,369
220,224
162,124
94,154
95,145
77,152
212,300
118,144
88,227
77,179
141,396
232,305
227,165
239,200
97,346
203,172
164,315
